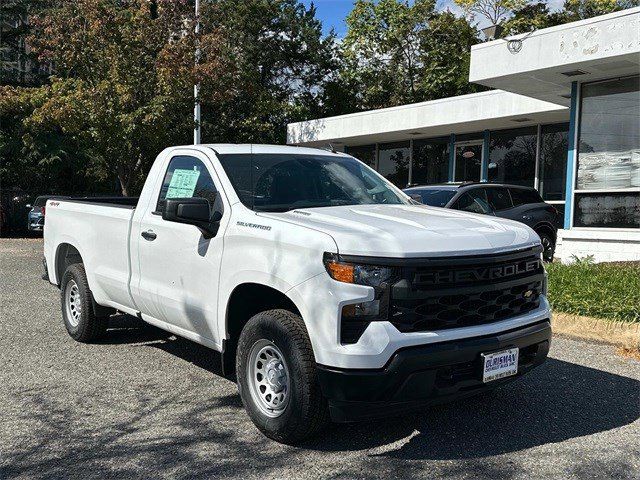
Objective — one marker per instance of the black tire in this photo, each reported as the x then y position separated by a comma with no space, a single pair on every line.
548,245
85,326
306,411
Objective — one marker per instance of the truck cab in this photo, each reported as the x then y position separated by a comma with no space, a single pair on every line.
327,291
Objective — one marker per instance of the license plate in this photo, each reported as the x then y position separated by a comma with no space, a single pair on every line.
500,364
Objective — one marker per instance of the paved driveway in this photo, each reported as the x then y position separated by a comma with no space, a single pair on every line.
146,404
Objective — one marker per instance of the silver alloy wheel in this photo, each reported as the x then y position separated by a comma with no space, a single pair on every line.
73,303
547,247
268,378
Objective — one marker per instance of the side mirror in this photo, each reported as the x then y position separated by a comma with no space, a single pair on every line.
416,198
193,211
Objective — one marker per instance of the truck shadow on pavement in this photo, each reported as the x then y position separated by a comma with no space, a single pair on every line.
555,402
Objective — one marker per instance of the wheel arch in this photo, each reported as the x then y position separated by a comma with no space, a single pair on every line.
246,300
66,254
545,227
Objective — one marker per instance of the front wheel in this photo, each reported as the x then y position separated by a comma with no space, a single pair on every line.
277,377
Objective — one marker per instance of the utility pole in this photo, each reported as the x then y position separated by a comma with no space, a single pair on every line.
196,87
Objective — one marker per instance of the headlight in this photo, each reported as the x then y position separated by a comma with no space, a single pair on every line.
369,275
355,317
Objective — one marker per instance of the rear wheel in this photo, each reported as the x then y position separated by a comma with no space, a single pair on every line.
80,320
277,377
548,246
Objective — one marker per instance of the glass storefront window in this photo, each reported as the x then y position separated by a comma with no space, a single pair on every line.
613,210
364,153
393,162
430,161
468,162
512,156
552,175
609,144
608,173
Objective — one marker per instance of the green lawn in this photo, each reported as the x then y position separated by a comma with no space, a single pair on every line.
610,291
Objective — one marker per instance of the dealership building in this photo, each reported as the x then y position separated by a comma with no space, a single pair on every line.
563,117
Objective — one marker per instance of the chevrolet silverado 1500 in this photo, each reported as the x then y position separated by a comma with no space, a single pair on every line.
327,291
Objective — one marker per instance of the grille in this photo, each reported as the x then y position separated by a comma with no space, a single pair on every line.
462,292
439,312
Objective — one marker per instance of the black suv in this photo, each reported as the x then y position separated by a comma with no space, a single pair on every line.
523,204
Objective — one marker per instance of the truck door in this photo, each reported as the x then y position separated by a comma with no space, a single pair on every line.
179,268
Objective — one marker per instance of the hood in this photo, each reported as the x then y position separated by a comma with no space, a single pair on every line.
411,230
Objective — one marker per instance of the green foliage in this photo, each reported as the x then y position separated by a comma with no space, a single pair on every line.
37,158
493,10
125,69
282,62
581,9
536,15
124,80
532,16
399,52
604,290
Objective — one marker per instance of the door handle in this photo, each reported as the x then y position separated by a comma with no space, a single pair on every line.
149,235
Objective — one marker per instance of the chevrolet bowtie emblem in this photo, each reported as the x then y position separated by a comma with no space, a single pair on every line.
528,293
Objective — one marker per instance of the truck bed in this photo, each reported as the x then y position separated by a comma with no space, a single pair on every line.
99,229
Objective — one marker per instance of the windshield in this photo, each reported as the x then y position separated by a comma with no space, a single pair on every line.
435,198
278,183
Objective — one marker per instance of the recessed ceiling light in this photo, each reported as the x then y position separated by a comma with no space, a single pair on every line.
415,133
521,120
574,73
565,95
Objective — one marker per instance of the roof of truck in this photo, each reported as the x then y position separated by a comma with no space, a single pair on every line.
226,148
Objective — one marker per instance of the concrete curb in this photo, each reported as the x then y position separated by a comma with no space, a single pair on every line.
622,334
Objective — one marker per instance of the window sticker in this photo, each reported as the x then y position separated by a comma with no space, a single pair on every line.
183,183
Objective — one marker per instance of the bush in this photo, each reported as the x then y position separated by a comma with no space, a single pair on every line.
605,290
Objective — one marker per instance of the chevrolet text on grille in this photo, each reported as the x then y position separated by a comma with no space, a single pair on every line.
477,274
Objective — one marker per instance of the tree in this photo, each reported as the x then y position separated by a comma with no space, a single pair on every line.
37,158
283,64
496,11
581,9
532,16
399,52
122,71
445,56
125,72
381,49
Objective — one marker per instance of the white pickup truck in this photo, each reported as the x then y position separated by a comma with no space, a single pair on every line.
328,292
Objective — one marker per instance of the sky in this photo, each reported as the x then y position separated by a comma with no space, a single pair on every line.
333,12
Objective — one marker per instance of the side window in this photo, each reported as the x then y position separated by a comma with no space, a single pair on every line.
522,196
468,203
186,177
499,199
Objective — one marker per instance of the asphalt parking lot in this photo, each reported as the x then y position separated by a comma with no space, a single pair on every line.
143,403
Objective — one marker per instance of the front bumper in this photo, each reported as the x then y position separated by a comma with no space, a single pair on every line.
428,374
